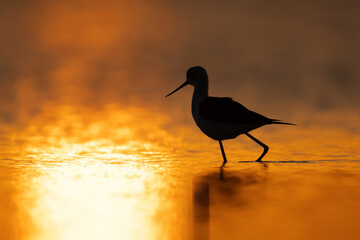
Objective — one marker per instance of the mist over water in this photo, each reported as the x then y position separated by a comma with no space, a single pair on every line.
289,55
91,149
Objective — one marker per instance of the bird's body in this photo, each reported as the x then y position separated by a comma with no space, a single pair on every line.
222,118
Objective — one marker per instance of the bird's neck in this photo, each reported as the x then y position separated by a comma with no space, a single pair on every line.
200,93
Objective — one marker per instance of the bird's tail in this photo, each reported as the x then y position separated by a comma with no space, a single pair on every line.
276,121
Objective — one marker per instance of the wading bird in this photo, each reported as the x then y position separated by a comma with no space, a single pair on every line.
221,118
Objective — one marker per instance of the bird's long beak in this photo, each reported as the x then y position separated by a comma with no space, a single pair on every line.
183,85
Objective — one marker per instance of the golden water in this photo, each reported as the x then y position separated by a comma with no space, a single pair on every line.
66,175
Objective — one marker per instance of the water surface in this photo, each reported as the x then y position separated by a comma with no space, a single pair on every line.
175,197
73,172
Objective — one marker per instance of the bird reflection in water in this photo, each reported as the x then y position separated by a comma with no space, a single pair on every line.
224,189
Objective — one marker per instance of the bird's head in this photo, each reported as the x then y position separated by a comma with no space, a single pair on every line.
195,76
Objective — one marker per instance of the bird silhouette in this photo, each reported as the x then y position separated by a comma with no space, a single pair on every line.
222,118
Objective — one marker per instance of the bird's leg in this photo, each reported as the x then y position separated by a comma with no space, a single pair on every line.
223,152
266,148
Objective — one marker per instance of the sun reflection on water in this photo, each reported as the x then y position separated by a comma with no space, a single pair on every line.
72,172
93,199
85,201
85,174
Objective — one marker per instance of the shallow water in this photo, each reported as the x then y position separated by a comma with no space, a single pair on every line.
75,173
170,197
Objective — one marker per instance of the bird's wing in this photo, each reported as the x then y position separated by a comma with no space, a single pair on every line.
228,111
